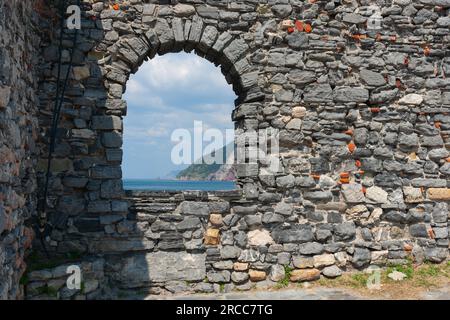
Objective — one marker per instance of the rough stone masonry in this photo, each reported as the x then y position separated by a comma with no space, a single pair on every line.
364,126
19,48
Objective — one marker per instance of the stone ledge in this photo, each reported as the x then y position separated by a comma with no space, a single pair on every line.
184,194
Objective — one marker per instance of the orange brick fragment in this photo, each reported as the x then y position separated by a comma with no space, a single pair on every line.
308,28
351,147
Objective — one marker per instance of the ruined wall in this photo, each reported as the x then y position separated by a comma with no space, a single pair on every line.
364,135
19,54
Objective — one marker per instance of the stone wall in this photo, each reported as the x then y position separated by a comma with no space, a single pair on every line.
173,242
50,283
364,136
19,55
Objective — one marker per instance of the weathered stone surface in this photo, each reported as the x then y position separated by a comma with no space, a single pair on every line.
305,275
383,96
257,275
418,230
354,18
249,255
5,93
379,257
230,252
316,196
2,219
119,245
438,184
361,257
208,12
323,260
71,205
240,266
111,189
112,139
350,94
183,10
212,237
259,238
286,181
298,40
372,78
412,195
345,231
332,272
282,10
219,277
438,194
353,193
209,36
82,72
165,266
298,112
216,219
195,208
311,248
376,195
245,210
277,273
106,172
99,206
294,124
303,262
235,50
301,78
411,99
318,93
106,123
297,234
440,213
284,209
435,254
239,277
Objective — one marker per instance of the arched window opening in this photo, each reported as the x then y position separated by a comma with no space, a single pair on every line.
178,132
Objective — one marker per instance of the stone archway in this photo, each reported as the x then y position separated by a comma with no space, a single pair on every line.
189,34
161,35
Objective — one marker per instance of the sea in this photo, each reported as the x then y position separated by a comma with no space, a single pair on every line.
177,185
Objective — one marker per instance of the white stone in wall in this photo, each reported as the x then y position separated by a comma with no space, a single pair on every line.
376,194
259,238
162,267
411,99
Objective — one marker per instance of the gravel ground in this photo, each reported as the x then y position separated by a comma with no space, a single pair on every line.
302,294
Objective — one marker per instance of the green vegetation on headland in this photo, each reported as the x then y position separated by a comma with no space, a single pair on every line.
215,171
198,171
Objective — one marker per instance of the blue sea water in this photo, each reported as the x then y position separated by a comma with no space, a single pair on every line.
177,185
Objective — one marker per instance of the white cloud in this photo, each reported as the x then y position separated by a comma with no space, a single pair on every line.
158,132
174,80
134,87
173,71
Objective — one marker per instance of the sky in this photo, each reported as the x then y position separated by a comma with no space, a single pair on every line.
170,92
